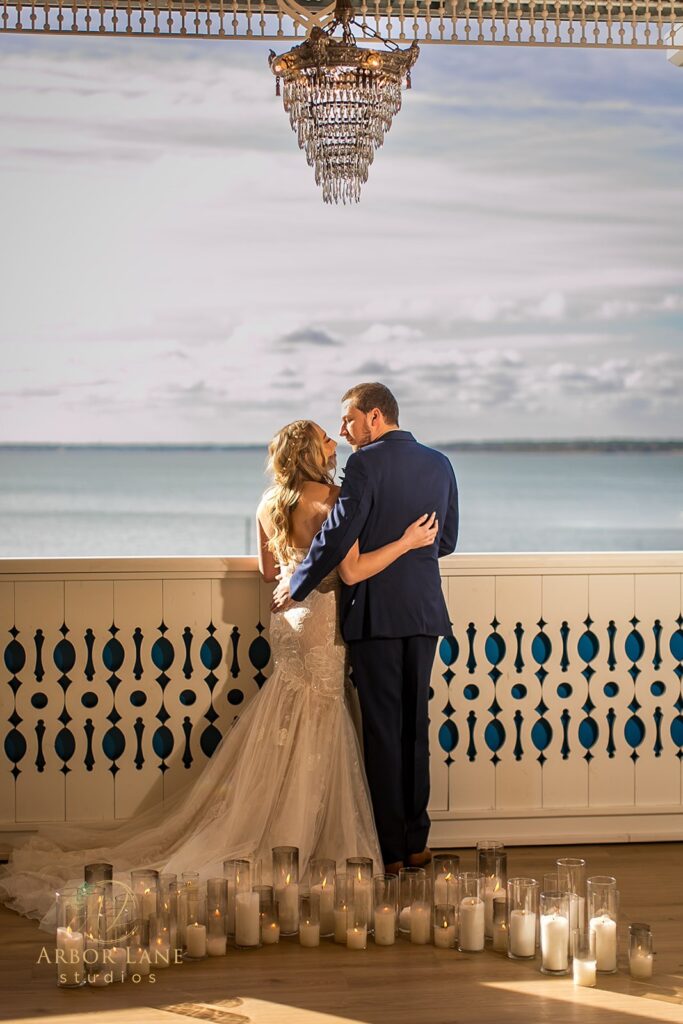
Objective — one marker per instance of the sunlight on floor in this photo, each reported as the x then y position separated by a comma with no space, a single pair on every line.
656,1006
228,1011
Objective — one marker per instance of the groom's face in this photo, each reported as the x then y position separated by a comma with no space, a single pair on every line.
356,427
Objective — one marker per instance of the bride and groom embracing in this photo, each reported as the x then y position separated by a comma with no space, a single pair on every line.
358,583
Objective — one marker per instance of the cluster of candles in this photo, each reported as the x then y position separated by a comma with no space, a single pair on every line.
161,920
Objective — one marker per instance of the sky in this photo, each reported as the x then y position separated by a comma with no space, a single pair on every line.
170,274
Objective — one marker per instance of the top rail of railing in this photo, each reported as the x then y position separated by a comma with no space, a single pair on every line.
618,24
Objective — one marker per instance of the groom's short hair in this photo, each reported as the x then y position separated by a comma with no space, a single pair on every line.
367,397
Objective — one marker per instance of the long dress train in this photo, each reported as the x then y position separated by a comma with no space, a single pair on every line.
288,772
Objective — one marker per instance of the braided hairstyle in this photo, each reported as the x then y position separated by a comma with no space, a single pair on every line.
295,456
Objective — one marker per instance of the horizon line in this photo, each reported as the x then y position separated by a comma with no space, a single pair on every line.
573,442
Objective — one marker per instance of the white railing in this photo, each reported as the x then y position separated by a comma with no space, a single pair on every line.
556,710
619,24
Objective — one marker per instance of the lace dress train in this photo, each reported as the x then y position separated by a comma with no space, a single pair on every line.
288,772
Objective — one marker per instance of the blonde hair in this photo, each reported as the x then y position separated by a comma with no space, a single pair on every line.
295,456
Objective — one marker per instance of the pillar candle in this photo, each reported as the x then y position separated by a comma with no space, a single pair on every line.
195,940
357,938
287,897
445,890
522,933
270,933
362,896
385,926
472,923
444,936
216,945
149,903
71,944
247,919
640,965
116,960
554,942
404,920
605,942
420,923
309,934
584,973
138,961
326,894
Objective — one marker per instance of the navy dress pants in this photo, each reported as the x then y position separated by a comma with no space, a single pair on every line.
392,678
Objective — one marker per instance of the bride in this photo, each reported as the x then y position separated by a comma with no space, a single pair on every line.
289,771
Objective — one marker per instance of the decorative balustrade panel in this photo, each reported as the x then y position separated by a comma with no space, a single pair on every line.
648,24
558,692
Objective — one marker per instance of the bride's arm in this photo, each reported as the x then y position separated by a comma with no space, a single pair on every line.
356,567
268,567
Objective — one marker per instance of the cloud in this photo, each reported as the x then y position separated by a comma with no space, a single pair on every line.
309,336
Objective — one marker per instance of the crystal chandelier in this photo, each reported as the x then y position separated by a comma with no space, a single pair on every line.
340,99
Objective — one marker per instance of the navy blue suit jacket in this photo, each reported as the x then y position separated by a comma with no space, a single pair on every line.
387,485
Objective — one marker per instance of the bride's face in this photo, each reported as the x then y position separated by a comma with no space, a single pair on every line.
329,447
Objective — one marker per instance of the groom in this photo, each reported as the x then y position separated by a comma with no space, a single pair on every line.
391,621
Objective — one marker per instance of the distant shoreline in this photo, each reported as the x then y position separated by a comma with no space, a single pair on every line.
587,446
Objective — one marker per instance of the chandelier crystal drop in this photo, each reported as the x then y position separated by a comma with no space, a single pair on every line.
341,99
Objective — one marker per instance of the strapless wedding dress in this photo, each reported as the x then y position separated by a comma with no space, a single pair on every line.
289,772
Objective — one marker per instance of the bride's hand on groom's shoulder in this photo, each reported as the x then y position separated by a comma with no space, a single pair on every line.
423,532
281,596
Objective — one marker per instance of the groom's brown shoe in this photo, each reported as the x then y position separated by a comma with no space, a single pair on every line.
393,869
420,860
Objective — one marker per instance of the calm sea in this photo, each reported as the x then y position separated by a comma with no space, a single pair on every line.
81,501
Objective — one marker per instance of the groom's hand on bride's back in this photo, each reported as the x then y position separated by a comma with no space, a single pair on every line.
280,596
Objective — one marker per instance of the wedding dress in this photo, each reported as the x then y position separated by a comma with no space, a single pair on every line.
288,772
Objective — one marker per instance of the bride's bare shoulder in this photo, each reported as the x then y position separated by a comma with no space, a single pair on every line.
319,493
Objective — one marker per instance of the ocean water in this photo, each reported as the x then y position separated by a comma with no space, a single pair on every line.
147,501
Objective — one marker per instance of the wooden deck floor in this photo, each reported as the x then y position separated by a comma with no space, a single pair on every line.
397,985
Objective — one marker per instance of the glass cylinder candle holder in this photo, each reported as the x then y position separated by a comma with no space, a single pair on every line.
445,871
500,923
286,887
471,913
217,894
145,885
385,893
139,959
412,887
162,952
229,869
71,943
602,907
195,927
121,933
554,907
571,877
357,924
322,874
444,926
268,915
247,910
359,877
341,908
216,936
94,873
583,957
309,919
492,865
168,904
640,951
99,909
522,911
